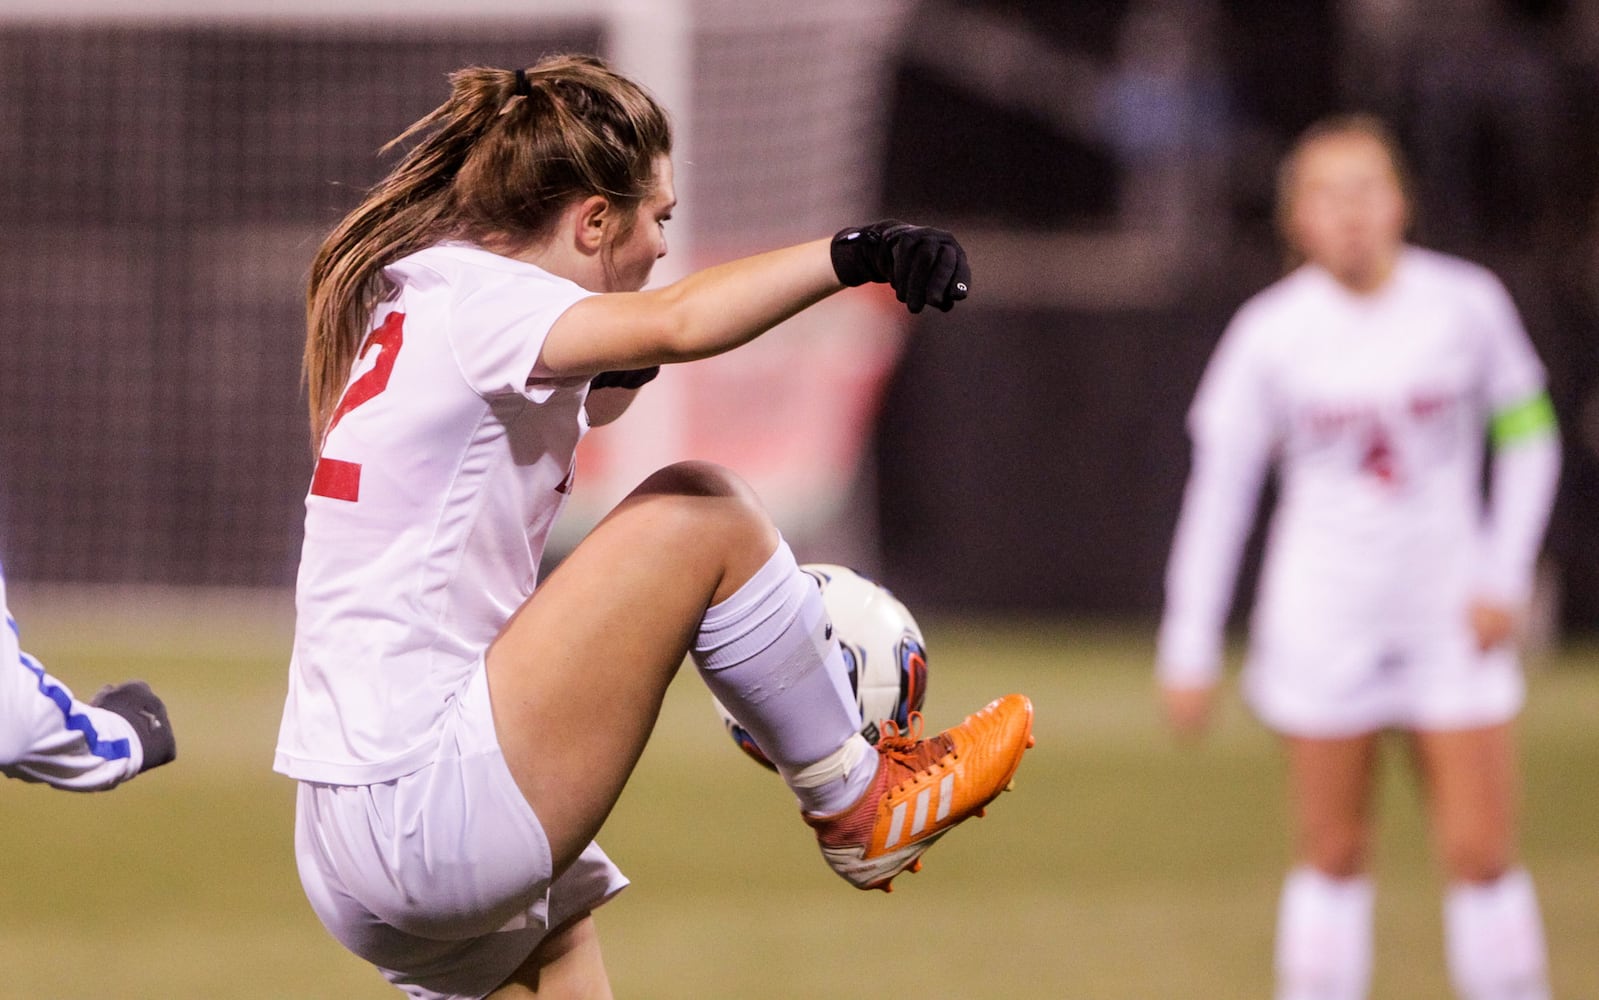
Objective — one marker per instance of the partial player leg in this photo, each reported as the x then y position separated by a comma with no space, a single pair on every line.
691,561
768,654
1324,936
1330,784
578,674
567,965
770,646
875,813
1324,922
1493,931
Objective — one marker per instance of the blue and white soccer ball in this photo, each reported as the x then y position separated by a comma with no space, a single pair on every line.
883,651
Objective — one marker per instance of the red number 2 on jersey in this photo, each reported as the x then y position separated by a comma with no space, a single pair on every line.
339,480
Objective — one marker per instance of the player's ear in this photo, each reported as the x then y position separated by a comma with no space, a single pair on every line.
594,218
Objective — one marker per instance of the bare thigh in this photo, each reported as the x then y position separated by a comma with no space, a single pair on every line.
1330,790
1471,784
567,965
577,676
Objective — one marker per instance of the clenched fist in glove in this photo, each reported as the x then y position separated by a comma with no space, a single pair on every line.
925,266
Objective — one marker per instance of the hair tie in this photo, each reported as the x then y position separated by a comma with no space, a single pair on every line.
522,88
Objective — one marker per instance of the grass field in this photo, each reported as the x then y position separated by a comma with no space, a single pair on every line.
1121,867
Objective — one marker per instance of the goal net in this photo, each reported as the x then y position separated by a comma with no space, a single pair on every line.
169,167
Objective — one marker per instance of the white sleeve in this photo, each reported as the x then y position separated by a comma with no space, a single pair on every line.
1512,372
498,332
1233,430
1521,494
1525,453
49,736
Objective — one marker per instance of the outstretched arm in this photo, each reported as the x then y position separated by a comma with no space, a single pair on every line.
722,307
47,735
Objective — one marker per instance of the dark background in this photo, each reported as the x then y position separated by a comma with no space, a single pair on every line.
1033,459
1030,455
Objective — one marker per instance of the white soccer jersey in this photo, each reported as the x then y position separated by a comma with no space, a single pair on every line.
1375,409
443,468
49,736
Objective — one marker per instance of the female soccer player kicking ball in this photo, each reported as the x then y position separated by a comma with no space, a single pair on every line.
461,736
47,735
1371,376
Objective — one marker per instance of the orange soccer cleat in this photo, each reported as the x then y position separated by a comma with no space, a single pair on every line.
922,789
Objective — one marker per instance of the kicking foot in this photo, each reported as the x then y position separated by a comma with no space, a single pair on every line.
922,789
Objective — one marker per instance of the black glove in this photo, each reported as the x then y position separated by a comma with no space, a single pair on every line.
629,379
147,714
925,266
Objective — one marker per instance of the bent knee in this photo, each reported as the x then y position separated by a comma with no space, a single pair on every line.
1476,861
1347,865
1341,855
706,498
696,479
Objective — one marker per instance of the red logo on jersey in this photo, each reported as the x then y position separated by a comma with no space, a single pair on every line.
1379,458
1426,406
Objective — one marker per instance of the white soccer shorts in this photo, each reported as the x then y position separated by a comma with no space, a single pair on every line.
442,878
1333,679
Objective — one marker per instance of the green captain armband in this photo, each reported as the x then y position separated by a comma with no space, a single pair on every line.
1531,417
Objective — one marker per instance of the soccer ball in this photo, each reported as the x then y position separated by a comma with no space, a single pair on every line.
883,652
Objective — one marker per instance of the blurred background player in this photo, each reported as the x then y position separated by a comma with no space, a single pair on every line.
1390,595
460,736
47,735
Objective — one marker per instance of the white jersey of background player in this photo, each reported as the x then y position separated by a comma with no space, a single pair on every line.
1374,413
1370,377
461,729
49,736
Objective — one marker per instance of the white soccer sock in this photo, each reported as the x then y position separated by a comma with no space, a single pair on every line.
1494,938
1324,937
768,656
